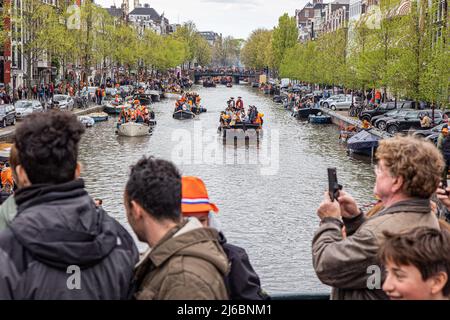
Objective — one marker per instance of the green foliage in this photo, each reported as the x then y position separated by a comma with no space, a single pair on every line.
196,47
285,36
257,50
406,55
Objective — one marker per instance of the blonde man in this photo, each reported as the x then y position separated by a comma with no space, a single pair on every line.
407,174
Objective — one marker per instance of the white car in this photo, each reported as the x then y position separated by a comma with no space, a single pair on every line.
27,107
342,103
326,102
63,102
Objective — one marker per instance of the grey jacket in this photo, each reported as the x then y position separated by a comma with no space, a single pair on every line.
8,211
345,264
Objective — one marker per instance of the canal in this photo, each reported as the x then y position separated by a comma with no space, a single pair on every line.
267,193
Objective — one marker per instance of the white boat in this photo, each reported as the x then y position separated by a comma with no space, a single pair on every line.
87,121
133,129
172,95
99,116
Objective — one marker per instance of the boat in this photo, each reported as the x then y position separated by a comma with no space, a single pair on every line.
144,99
87,121
99,116
241,131
364,143
133,129
5,150
111,109
278,99
154,94
229,85
198,110
172,95
304,113
183,115
209,84
319,119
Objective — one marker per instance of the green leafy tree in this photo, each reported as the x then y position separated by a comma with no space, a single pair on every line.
285,36
257,51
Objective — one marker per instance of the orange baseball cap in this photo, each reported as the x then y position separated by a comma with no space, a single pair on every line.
195,196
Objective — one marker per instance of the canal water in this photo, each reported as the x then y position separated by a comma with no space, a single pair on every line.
267,192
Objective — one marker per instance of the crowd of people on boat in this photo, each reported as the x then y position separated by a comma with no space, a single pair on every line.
189,101
135,113
235,114
397,250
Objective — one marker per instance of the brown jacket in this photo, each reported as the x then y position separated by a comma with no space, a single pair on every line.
187,264
344,263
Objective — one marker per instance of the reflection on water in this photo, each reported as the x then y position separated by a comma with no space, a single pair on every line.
267,193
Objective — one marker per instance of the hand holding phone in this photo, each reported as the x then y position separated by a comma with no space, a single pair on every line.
333,186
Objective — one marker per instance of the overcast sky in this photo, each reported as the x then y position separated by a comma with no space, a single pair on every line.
237,18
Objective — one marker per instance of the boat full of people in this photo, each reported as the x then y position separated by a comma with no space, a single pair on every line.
136,120
173,91
236,122
188,106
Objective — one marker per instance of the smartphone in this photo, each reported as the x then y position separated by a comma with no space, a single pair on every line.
333,186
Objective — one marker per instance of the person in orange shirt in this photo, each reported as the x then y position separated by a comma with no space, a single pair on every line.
377,97
7,178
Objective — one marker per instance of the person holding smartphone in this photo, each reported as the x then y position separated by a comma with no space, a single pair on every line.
407,175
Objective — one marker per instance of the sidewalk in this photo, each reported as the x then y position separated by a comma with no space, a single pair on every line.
6,134
342,119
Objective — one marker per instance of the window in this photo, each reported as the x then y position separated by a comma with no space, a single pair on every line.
306,14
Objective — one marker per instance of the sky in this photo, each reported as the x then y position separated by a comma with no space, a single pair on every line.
235,18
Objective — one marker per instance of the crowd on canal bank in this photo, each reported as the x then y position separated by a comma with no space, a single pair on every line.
51,223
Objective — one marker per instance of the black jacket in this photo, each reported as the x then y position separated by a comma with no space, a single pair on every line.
242,282
58,230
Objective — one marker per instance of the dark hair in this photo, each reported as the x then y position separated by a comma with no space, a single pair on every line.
425,248
155,184
47,146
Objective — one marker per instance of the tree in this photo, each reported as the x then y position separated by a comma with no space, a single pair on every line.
37,23
226,51
285,36
256,52
193,42
203,52
126,53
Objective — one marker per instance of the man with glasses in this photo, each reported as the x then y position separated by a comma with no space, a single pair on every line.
407,174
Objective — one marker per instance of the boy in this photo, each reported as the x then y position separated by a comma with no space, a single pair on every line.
417,265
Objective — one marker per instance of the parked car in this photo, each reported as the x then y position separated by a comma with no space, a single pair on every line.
62,102
381,120
383,108
7,115
411,120
27,107
326,102
343,103
430,131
